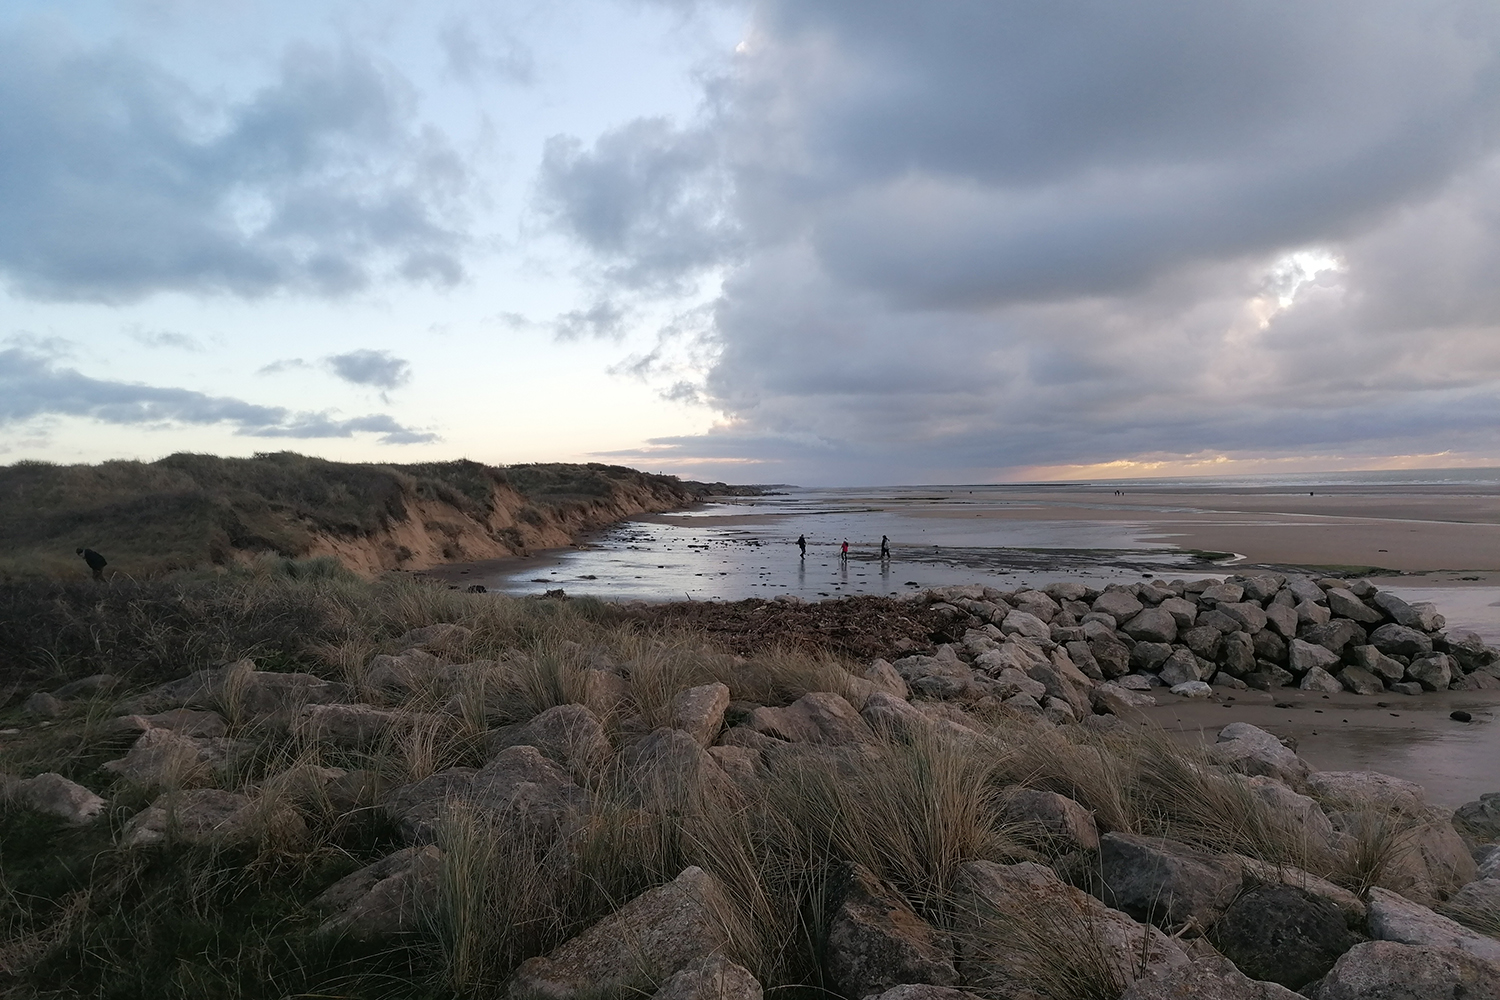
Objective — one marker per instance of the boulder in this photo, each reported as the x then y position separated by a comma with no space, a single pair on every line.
1121,605
892,717
182,721
921,991
1305,589
883,677
1216,619
1192,689
162,758
1035,603
54,795
1149,656
648,940
1269,646
1480,819
351,725
1398,610
1360,681
1112,699
1366,790
1433,671
1304,656
443,637
1250,750
711,978
1152,625
1065,682
1183,611
1067,590
1251,616
211,816
395,895
1377,663
936,676
1471,652
1334,636
1318,679
818,717
876,941
1207,978
44,706
1203,641
1283,620
1054,822
670,769
1166,882
1112,655
1083,657
1476,904
1180,668
88,687
1222,593
1398,640
1310,615
519,790
1396,918
1017,923
1345,605
1282,934
1026,624
1350,906
1386,970
241,692
404,673
570,735
1238,654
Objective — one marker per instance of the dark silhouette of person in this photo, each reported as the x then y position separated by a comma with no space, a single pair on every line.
844,552
802,544
885,547
96,562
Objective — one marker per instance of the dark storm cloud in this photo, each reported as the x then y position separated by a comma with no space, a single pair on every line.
32,385
380,369
975,236
116,181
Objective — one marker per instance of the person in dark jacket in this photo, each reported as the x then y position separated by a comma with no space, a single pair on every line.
96,562
802,544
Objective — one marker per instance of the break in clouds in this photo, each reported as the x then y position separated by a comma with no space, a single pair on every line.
956,239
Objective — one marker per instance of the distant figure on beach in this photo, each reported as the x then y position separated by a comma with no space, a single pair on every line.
802,544
844,552
96,562
885,547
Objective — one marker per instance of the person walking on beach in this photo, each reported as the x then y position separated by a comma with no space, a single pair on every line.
844,552
802,544
885,548
96,562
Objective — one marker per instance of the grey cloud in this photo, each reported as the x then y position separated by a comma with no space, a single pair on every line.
966,238
116,181
603,319
167,339
282,365
32,385
380,369
471,53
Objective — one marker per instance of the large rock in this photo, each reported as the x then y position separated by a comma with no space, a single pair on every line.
570,735
1238,653
1304,810
1207,978
1019,926
1360,681
1476,904
1366,790
1181,667
1480,819
1065,682
892,717
395,895
1203,641
1151,625
161,758
182,721
1112,699
1386,970
819,717
669,769
1433,671
212,816
1251,616
1025,624
1396,918
1350,906
711,978
240,693
444,637
54,795
883,677
1250,750
1282,934
1335,636
520,790
1166,882
1387,669
1318,679
1283,620
1398,640
876,941
44,706
352,725
405,673
648,940
1304,656
1053,822
1222,593
1121,605
1345,605
1112,655
922,991
1183,611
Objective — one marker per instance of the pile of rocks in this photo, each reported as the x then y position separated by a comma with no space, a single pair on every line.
1068,646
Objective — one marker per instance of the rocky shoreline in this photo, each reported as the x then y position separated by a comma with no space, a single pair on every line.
609,814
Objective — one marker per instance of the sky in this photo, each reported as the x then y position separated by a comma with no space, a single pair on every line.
792,241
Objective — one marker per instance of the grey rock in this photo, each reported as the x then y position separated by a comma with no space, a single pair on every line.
44,706
649,939
1310,614
1433,671
1181,668
1344,604
1250,750
1152,625
1183,611
1318,679
570,735
1112,699
1428,619
1083,657
1287,802
1216,619
1112,655
1207,978
404,673
1067,590
520,790
1251,616
212,816
163,758
1121,605
1282,934
396,895
1471,652
1024,623
1192,689
1304,656
1304,589
1399,611
1052,821
88,687
1335,636
1480,819
671,770
54,795
1237,653
1366,790
818,717
922,991
884,677
876,941
1386,970
1203,640
182,721
1149,656
1261,587
1406,687
1395,918
1476,904
1035,603
1377,663
893,717
1269,646
1222,593
1283,620
1398,640
699,711
1166,882
1360,681
1268,677
712,978
351,725
443,637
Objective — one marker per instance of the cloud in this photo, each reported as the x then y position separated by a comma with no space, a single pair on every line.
380,369
117,181
471,53
282,365
602,319
167,339
962,240
32,385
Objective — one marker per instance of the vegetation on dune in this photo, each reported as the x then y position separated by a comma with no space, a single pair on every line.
81,915
189,510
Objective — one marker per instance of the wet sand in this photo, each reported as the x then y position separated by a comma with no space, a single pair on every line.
1409,737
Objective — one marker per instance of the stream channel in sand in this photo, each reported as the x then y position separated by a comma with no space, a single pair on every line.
1436,532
